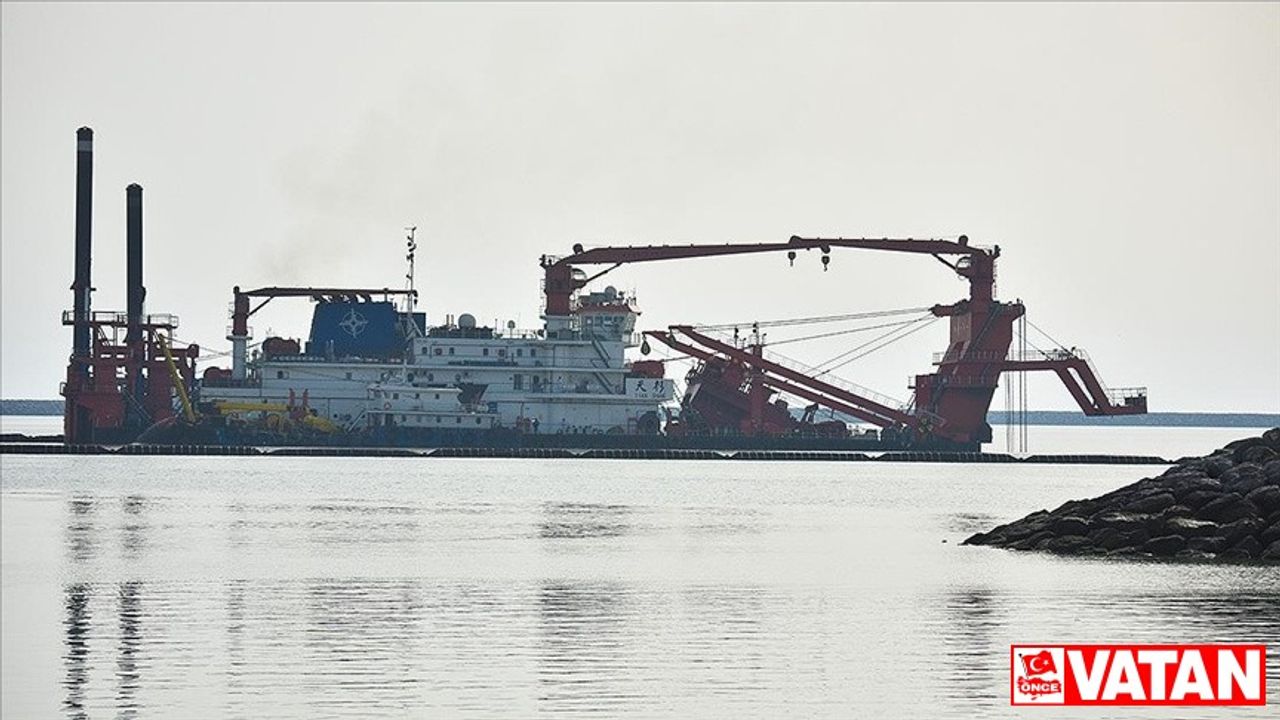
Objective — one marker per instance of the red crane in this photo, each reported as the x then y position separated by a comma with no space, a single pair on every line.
950,405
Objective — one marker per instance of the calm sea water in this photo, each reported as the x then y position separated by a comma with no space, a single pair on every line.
349,587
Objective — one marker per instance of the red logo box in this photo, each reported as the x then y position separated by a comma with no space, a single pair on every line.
1233,674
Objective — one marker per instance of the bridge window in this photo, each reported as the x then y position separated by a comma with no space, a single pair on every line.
485,352
450,351
280,374
519,352
517,382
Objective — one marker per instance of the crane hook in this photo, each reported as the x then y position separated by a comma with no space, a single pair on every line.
791,257
826,260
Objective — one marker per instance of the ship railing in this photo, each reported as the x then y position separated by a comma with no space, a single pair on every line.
303,358
116,318
952,356
836,381
216,382
1120,396
522,333
1049,355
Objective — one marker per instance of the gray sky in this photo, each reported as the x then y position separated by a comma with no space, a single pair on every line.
1125,158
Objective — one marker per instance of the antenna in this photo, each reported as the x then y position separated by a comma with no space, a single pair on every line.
411,329
410,255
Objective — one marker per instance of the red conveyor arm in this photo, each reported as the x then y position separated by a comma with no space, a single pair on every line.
814,389
1093,398
670,341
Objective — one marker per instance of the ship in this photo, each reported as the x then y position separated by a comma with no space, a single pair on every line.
373,372
373,367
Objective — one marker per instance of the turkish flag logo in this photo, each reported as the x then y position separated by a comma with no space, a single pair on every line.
1039,664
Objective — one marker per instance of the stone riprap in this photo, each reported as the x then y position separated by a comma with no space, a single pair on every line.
1221,507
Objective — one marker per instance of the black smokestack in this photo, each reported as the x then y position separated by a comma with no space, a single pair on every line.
84,244
136,293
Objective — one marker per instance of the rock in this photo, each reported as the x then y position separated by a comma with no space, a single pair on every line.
1164,546
1108,538
1070,525
1248,545
1270,534
1199,498
1067,545
1272,438
1216,465
1243,478
1182,485
1267,497
1272,552
1075,507
1234,532
1124,522
1271,472
1128,552
1190,527
1240,449
1228,508
1225,506
1207,544
1137,537
1151,503
1259,454
1031,541
1190,555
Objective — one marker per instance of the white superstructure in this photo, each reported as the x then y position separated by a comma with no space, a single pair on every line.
571,376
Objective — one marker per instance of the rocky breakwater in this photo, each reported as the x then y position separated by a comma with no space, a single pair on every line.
1225,506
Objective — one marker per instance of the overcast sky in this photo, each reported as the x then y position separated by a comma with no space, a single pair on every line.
1125,158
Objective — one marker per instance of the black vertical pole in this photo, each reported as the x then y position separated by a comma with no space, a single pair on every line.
83,285
136,293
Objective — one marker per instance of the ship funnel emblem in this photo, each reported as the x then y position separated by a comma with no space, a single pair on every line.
354,323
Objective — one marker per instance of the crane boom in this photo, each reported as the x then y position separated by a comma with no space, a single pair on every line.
562,279
949,404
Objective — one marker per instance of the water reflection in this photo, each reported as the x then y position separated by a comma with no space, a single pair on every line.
76,652
350,523
359,637
974,619
968,523
584,645
128,676
80,529
583,520
133,533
